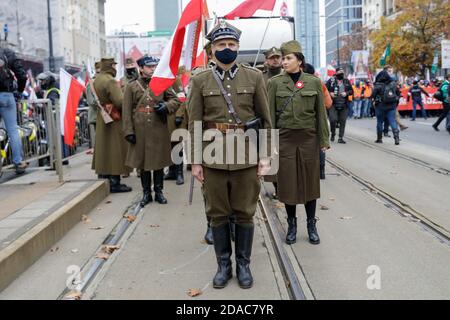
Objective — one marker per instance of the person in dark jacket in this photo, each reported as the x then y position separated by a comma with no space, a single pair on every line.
415,92
385,96
340,90
11,69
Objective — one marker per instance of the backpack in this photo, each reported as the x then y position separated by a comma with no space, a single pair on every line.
390,93
439,95
5,73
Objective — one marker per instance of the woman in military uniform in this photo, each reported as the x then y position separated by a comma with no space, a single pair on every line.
145,128
297,110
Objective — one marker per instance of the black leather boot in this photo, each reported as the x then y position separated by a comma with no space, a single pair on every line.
116,187
171,175
312,231
179,174
222,247
158,184
208,235
146,181
379,137
291,235
233,227
397,137
243,248
322,172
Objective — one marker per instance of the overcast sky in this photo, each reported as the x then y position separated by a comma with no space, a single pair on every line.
120,13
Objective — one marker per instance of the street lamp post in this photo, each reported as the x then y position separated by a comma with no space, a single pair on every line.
123,43
337,35
51,58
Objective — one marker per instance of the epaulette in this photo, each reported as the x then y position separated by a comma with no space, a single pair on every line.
247,66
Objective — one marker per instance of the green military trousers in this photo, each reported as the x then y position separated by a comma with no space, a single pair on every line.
231,192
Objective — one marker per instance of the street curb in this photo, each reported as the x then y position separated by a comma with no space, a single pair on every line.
29,247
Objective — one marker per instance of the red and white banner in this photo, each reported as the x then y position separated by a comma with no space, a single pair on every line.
249,7
71,91
331,71
428,103
166,72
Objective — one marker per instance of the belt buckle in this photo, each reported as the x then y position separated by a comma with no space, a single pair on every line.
147,109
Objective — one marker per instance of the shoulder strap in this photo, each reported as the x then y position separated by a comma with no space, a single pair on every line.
146,93
226,97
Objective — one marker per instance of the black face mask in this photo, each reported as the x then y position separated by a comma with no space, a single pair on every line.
340,76
226,56
131,72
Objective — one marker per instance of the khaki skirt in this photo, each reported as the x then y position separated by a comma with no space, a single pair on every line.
299,169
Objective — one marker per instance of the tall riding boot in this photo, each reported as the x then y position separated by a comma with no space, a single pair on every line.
171,175
397,137
291,235
222,247
158,184
146,181
208,235
243,248
179,174
233,226
116,187
379,137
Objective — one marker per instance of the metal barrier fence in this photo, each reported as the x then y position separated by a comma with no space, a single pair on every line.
38,125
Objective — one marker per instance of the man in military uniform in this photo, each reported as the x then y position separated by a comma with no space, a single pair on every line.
145,128
92,112
175,121
224,183
272,66
131,73
110,151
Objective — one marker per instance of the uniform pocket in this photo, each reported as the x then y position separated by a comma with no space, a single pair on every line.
245,96
304,104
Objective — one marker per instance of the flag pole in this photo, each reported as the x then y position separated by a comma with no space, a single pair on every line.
264,37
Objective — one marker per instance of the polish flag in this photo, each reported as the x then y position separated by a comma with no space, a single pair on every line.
166,72
284,11
331,71
71,91
249,7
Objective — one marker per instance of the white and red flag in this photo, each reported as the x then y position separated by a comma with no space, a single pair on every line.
284,11
71,91
166,72
249,7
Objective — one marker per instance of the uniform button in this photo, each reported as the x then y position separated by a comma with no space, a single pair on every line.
245,91
211,93
228,86
228,79
230,121
229,94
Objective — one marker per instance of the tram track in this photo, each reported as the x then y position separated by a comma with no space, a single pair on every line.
414,160
396,205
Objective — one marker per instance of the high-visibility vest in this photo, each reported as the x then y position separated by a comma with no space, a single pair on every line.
50,90
357,92
367,92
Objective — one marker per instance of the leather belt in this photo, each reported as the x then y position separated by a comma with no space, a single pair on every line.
223,127
143,109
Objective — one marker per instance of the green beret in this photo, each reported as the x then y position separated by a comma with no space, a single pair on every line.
291,47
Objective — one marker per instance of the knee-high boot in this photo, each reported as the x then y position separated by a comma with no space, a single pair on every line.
146,182
208,235
243,248
158,184
222,248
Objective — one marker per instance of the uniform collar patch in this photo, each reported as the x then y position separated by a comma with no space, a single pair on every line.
221,73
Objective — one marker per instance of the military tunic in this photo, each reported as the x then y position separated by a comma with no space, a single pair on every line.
110,148
303,131
225,182
152,150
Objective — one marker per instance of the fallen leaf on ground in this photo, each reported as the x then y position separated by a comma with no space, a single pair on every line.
322,207
97,228
194,292
102,255
332,199
110,249
130,217
203,242
73,295
279,205
346,218
108,202
54,249
74,250
85,219
154,226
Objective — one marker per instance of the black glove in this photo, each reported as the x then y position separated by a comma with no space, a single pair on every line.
161,108
178,121
131,138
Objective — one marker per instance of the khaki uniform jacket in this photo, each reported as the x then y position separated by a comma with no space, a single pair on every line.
181,112
305,111
247,91
153,149
110,148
